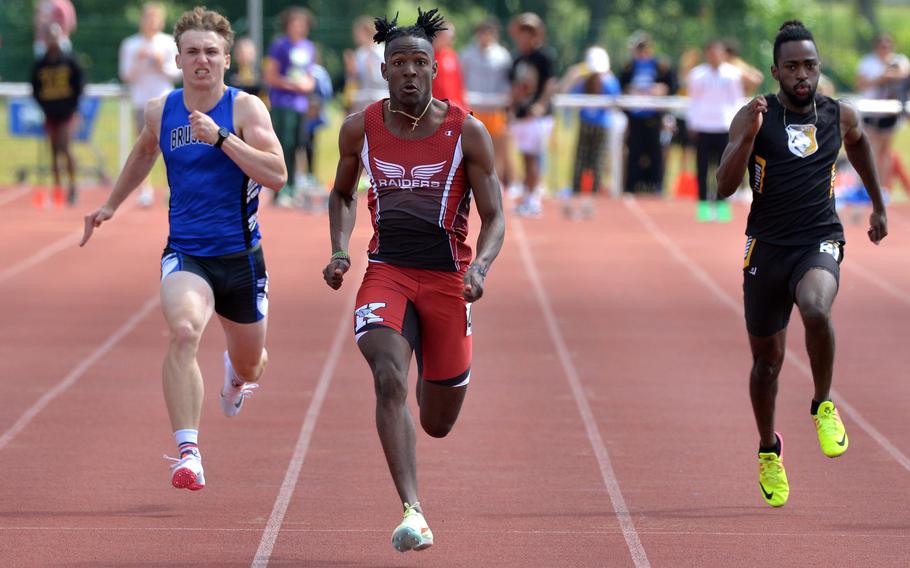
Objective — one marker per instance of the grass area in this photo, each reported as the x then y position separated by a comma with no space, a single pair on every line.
27,153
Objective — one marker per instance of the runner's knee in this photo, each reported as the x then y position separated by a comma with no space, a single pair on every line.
186,335
390,382
815,314
436,427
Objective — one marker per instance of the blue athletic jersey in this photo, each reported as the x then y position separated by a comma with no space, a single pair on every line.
213,205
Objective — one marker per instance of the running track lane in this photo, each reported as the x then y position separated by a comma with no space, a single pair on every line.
94,464
515,484
525,488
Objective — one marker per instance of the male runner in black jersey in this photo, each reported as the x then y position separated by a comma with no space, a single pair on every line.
790,141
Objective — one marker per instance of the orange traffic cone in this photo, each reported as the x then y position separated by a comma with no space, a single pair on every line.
686,186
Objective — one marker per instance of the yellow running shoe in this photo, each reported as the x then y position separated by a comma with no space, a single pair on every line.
413,533
772,478
832,436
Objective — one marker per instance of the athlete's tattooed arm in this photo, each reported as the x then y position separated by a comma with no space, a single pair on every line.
859,152
343,198
481,174
743,131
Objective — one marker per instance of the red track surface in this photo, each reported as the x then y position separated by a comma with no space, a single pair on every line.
608,420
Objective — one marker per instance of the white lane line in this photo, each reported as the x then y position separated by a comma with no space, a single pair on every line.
639,558
529,532
67,241
13,194
879,283
76,373
283,500
677,253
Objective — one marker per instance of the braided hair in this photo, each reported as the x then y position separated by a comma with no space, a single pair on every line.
791,30
427,26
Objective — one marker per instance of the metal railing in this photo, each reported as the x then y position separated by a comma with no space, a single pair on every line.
480,100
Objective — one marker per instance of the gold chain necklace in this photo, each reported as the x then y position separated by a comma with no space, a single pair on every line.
416,119
814,110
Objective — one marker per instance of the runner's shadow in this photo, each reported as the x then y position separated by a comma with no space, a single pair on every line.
148,511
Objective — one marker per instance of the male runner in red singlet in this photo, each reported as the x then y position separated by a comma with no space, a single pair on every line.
425,158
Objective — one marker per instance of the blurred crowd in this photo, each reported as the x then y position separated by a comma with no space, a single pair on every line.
506,74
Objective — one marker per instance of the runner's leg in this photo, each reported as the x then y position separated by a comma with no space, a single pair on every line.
389,355
188,303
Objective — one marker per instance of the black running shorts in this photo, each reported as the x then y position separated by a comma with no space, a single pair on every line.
239,281
770,275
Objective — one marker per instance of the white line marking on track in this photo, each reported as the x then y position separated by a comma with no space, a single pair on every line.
726,299
283,500
63,243
879,283
76,373
13,194
639,558
468,531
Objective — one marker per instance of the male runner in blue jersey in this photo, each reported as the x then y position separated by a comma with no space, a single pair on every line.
219,149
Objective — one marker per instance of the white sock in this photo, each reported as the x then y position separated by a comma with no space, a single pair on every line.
187,441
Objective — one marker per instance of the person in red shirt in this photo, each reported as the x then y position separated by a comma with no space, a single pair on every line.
425,158
449,80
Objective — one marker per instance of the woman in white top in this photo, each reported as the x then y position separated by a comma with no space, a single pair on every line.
148,64
883,75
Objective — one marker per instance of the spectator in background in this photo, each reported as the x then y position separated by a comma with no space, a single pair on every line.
752,77
147,63
449,82
533,85
307,187
288,75
363,83
689,59
246,75
50,12
645,74
715,91
593,77
883,75
57,84
486,65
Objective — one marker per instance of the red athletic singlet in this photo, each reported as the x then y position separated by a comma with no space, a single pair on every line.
419,196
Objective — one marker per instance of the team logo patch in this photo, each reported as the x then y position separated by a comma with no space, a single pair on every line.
468,330
364,315
262,295
420,175
830,247
801,139
170,263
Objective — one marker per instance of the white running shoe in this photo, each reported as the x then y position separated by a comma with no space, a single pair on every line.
186,472
232,395
413,532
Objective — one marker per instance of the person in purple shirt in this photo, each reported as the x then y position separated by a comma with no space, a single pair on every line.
287,72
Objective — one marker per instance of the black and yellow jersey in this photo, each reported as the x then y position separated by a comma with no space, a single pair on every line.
791,172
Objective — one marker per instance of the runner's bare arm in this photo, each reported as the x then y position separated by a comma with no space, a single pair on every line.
255,149
484,184
743,131
135,170
343,197
859,152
